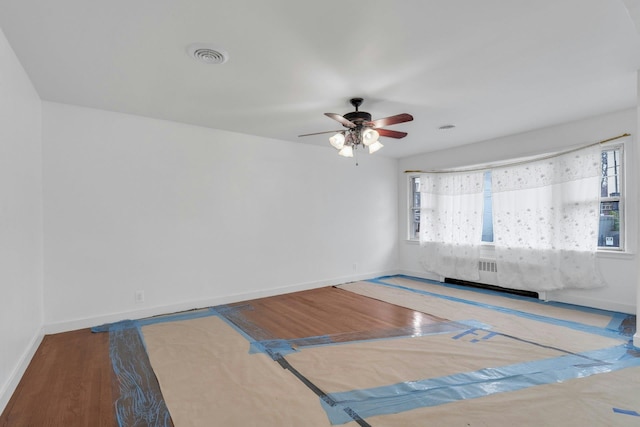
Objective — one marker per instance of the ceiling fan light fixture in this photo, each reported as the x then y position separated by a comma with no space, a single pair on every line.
337,141
370,136
375,147
361,131
346,151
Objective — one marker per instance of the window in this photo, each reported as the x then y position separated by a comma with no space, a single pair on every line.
414,208
611,199
487,210
609,235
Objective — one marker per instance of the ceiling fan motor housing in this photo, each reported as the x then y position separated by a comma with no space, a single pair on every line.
358,117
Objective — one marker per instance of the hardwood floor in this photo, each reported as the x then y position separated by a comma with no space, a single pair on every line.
69,380
324,311
67,383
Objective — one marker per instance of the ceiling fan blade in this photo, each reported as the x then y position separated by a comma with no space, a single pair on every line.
320,133
391,133
340,119
393,120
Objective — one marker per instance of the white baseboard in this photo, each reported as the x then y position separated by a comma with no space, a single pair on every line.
9,387
421,275
593,303
71,325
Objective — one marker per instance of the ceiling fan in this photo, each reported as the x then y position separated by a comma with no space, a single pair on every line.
361,130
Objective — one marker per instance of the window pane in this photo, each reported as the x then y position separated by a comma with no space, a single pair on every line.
487,213
414,212
415,181
415,224
610,184
609,232
609,235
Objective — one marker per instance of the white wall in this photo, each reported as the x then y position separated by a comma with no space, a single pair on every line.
636,337
195,216
619,269
20,221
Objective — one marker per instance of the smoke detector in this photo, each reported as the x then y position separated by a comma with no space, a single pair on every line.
207,54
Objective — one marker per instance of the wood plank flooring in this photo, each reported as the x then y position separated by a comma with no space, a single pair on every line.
325,311
69,380
67,383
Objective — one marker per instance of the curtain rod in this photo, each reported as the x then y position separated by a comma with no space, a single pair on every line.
624,135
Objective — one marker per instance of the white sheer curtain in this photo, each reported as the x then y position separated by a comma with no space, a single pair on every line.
545,217
451,223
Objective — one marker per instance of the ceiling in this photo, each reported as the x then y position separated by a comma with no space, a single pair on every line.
492,67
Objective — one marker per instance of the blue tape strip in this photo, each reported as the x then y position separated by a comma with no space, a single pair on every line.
616,321
616,317
117,326
281,347
467,332
284,347
238,329
436,391
626,412
564,305
546,319
128,324
489,335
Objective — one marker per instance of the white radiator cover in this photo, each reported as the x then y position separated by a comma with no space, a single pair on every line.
487,265
488,271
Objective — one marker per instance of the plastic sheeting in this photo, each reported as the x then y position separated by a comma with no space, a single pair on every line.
215,367
140,402
209,378
557,310
579,326
410,395
580,402
535,328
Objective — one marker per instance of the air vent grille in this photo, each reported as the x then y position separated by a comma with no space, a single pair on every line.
489,266
207,54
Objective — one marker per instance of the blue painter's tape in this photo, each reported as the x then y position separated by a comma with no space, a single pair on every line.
564,305
625,324
276,347
283,347
546,319
179,316
616,317
469,332
474,324
489,335
626,412
237,328
117,326
616,321
129,324
436,391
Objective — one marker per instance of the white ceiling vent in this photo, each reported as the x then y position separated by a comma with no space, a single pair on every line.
207,54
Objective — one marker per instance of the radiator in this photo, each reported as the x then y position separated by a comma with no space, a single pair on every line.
487,265
489,280
488,271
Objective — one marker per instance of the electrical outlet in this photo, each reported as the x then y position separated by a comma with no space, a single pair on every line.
139,297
